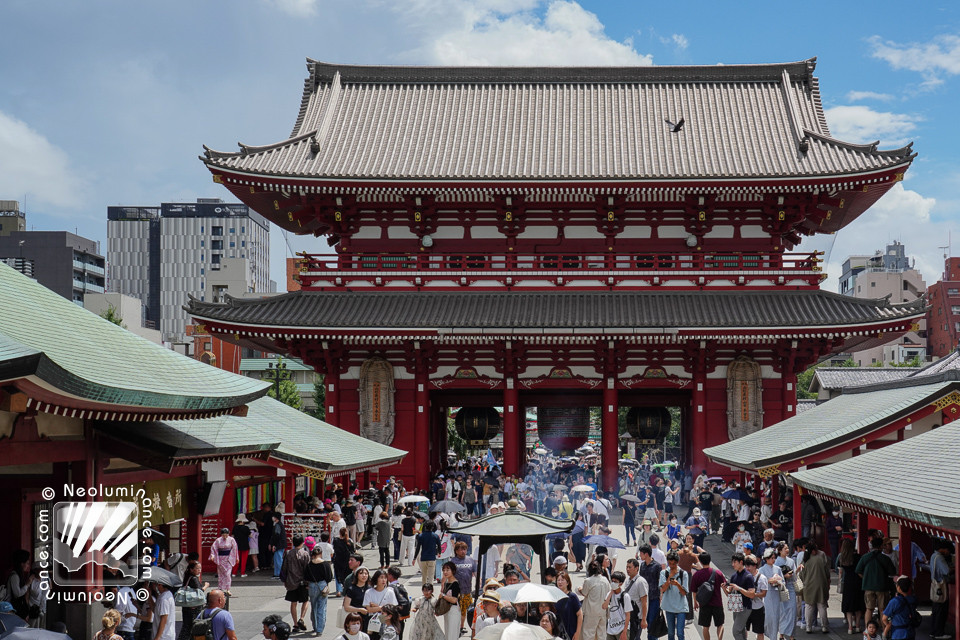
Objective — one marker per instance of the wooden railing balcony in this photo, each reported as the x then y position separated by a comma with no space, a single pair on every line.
570,270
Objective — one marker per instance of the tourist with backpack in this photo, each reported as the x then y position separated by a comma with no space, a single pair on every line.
618,607
900,618
318,576
215,622
674,585
707,583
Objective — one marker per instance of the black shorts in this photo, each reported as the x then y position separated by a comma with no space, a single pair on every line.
710,615
755,621
298,595
668,507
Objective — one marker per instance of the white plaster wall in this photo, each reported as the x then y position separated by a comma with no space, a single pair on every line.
720,231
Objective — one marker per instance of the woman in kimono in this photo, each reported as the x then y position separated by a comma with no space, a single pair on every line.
224,553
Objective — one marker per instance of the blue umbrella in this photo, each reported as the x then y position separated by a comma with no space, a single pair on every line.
28,633
604,541
10,621
736,494
560,534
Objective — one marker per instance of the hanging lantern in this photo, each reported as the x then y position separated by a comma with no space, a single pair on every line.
477,425
563,429
649,424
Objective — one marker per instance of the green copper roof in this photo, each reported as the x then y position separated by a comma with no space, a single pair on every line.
81,354
839,420
927,461
289,434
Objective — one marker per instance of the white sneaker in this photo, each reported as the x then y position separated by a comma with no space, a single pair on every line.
243,575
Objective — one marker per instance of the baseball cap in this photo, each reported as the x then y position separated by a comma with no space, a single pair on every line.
696,511
748,545
560,560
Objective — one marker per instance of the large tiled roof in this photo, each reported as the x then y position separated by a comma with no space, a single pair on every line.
600,309
842,419
917,479
840,377
287,433
559,123
949,362
81,355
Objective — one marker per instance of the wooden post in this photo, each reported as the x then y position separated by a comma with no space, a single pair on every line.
290,490
863,544
511,427
797,519
906,551
775,493
421,424
366,480
698,418
610,436
195,517
332,397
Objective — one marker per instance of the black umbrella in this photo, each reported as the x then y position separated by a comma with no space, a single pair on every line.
160,576
447,506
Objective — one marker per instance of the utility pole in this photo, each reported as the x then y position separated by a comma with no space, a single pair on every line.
276,373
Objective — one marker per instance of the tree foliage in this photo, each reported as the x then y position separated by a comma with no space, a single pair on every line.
289,394
110,314
319,398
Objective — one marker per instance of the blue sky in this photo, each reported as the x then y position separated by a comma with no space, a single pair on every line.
109,102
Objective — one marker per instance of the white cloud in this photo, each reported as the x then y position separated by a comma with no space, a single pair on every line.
902,214
297,8
857,96
33,166
680,40
931,59
495,32
860,124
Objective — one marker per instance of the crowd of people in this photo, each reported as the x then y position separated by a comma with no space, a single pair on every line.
368,540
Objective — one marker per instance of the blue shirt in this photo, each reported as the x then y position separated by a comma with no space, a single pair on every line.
222,622
899,610
670,600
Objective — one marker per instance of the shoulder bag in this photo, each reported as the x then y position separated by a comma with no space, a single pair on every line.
443,605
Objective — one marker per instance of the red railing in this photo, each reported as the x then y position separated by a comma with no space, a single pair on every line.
419,269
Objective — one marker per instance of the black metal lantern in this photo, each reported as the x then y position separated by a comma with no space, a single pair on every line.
648,423
477,425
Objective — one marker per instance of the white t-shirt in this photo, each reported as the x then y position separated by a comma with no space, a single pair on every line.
762,585
614,613
379,598
166,607
659,556
125,603
326,551
335,528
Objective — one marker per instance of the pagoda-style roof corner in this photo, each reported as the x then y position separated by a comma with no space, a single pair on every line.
110,371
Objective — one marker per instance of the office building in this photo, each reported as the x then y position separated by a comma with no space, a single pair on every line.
943,316
887,274
11,218
163,254
64,262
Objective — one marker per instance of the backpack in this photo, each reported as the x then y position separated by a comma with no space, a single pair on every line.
915,618
705,590
403,600
203,626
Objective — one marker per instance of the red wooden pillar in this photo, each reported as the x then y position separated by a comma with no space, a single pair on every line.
366,480
775,493
788,384
610,436
421,429
863,543
332,397
906,550
195,517
741,479
511,427
698,418
290,490
797,523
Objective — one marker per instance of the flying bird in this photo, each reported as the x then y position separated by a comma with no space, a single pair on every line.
675,128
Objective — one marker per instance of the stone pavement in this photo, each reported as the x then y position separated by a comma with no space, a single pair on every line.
257,596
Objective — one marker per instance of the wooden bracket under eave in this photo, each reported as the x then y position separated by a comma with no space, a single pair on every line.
241,411
13,402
